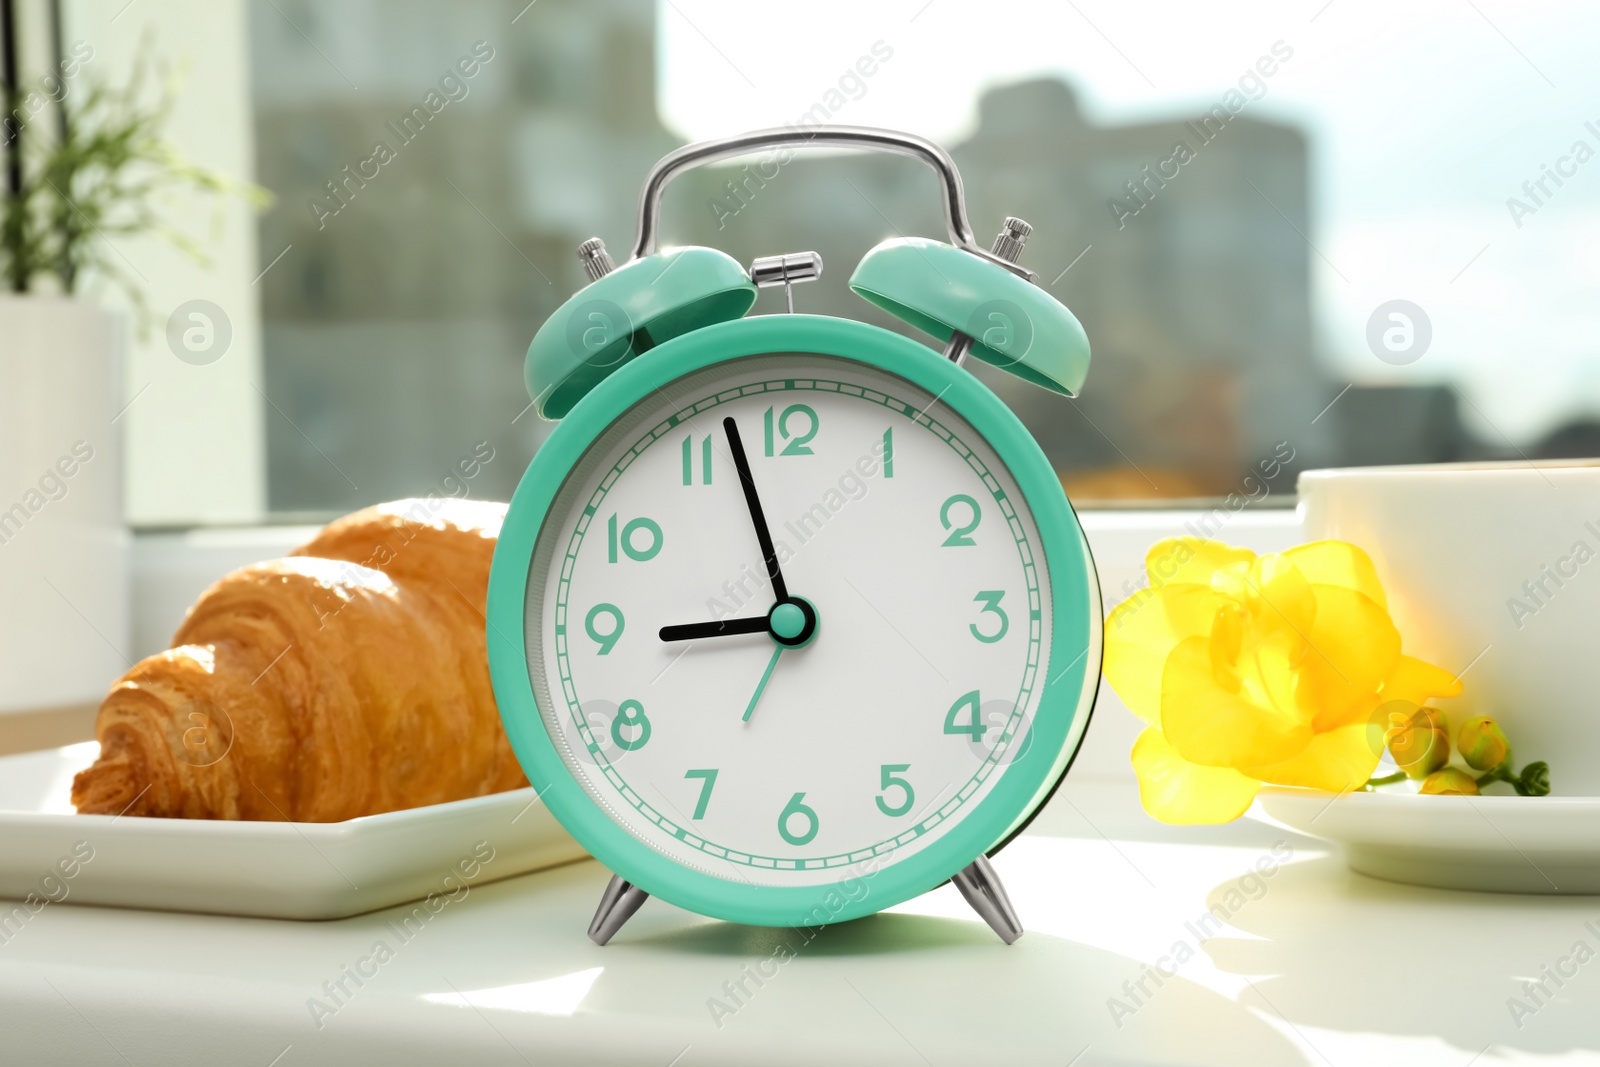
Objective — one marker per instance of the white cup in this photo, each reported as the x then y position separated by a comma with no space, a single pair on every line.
1492,572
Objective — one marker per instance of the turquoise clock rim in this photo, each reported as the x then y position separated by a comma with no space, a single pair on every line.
1065,704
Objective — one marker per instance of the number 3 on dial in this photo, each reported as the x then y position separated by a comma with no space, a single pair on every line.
990,599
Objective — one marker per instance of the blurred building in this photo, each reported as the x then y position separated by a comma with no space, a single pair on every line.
409,286
1401,424
1577,439
396,322
1196,295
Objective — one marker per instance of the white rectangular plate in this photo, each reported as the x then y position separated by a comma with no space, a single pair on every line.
269,869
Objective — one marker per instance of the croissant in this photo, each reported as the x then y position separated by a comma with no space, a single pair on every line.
347,679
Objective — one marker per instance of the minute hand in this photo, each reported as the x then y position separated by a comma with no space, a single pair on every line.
753,502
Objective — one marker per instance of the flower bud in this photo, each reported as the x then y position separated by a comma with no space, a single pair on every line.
1418,742
1450,782
1482,743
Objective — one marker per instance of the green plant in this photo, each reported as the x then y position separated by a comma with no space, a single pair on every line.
109,174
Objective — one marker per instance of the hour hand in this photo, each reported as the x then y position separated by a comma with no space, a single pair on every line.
694,631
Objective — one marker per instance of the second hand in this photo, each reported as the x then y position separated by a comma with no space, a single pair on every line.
762,685
791,627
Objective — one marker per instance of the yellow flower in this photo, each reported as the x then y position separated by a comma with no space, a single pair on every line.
1282,668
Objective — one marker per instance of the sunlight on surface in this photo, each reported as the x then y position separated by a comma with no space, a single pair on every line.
551,996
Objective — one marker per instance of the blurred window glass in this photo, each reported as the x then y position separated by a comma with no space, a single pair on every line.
1298,235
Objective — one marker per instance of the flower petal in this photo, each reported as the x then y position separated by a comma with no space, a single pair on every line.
1174,790
1279,598
1339,563
1354,649
1142,632
1211,719
1418,681
1338,761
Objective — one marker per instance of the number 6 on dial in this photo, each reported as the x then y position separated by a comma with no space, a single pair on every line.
796,806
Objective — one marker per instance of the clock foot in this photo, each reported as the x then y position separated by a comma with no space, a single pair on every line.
617,905
982,888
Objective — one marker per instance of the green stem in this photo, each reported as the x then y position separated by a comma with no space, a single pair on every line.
1388,779
1501,773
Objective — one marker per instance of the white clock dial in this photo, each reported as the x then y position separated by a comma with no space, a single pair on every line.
889,515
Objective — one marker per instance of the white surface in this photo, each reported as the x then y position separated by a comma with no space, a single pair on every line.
63,545
1313,965
1458,548
271,869
1506,844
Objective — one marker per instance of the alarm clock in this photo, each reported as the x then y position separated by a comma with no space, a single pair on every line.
790,619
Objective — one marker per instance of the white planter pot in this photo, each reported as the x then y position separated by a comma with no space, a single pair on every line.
63,543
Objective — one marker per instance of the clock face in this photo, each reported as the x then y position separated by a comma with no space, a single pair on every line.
919,616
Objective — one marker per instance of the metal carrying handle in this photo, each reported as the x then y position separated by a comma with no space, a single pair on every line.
862,137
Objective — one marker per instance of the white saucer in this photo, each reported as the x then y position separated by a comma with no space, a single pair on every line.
277,870
1501,844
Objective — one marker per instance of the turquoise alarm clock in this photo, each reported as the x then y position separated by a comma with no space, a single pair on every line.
790,619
